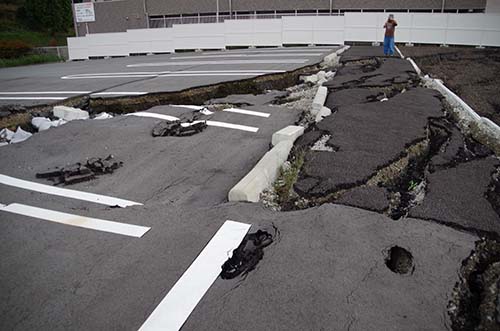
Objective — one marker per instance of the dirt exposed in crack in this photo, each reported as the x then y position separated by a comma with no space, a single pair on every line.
474,74
475,302
14,116
399,260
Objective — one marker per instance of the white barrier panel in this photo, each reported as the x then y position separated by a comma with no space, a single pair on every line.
199,36
328,30
424,28
108,44
298,30
78,48
150,41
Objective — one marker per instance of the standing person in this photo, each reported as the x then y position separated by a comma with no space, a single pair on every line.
390,27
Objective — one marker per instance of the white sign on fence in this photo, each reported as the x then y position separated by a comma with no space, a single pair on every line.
84,12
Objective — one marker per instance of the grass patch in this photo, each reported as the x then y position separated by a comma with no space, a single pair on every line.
34,38
29,59
288,176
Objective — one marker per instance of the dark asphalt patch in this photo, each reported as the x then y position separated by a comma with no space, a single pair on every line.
457,196
368,136
81,171
248,254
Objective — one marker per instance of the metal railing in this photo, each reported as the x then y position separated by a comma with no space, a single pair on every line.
169,21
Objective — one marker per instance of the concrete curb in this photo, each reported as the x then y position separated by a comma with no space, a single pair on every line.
319,100
267,169
480,128
333,59
262,175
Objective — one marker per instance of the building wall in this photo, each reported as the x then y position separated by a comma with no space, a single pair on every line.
116,16
493,6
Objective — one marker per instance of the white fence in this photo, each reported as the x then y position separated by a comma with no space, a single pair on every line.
422,28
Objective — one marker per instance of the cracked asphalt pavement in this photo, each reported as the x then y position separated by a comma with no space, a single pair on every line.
375,239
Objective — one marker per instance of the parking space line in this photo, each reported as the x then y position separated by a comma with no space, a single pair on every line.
154,115
33,98
119,93
191,63
76,220
244,55
179,73
183,297
209,123
45,92
246,112
63,192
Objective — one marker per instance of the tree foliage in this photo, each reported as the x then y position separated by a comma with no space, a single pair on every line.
47,15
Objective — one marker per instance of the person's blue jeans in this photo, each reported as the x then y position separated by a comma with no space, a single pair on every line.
388,45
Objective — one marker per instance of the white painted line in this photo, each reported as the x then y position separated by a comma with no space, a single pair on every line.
244,55
400,54
275,50
209,123
188,107
33,98
246,112
233,126
180,301
154,115
45,92
120,93
63,192
76,220
191,63
180,73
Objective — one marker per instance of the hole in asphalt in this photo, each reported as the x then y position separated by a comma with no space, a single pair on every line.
399,260
248,254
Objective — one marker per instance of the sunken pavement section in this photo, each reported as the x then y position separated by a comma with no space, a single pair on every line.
392,223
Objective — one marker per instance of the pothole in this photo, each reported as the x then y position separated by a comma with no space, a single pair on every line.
248,254
399,260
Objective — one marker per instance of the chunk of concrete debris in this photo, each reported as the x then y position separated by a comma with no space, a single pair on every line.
44,123
319,100
70,113
324,112
80,172
177,128
19,136
103,116
6,134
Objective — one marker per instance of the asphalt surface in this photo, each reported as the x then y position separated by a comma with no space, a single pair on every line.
328,267
143,74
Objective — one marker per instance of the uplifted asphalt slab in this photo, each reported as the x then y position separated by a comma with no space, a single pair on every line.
49,83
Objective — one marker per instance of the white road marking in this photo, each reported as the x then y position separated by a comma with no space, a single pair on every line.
119,93
33,98
247,112
209,123
191,63
76,220
180,73
154,115
188,107
63,192
233,126
244,55
275,50
45,92
180,301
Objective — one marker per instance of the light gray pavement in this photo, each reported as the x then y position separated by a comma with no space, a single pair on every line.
157,73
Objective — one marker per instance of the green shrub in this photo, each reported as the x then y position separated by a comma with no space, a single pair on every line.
10,49
28,60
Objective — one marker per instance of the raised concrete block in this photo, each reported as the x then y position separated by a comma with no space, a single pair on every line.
319,100
70,113
324,112
262,175
290,133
